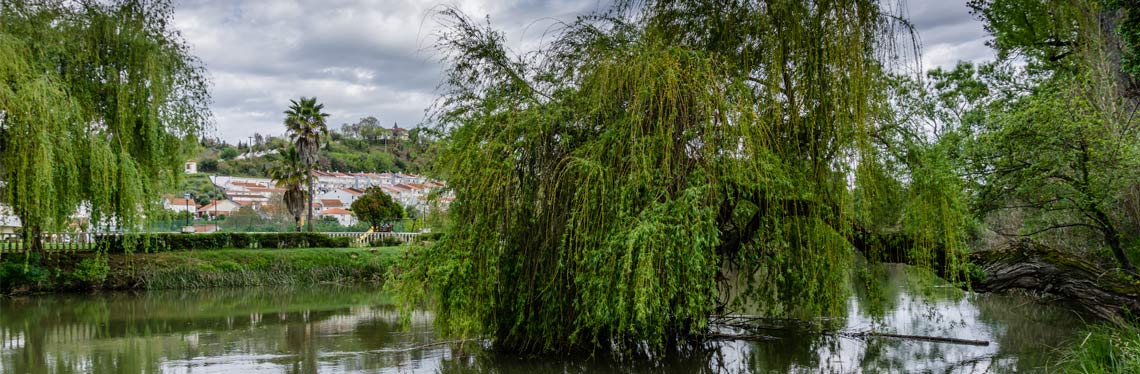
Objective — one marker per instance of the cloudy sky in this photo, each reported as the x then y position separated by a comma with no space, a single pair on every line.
372,57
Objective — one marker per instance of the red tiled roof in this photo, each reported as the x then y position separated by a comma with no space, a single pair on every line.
336,211
331,203
211,205
183,203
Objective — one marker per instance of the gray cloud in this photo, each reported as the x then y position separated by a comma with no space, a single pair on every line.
949,33
373,57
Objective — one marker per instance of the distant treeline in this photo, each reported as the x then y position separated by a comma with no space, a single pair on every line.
364,146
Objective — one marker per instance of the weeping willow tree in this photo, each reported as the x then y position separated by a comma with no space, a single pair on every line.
97,100
612,185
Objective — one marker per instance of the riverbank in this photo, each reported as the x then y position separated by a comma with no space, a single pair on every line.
195,269
1104,349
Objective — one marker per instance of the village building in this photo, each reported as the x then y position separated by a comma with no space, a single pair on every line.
218,207
179,204
9,223
343,216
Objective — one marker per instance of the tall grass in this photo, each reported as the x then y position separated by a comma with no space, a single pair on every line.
1104,349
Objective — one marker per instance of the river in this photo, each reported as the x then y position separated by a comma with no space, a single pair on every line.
343,329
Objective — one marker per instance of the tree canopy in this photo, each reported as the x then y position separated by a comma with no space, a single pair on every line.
611,187
97,102
377,207
1057,142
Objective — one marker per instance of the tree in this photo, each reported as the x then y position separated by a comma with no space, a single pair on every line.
99,103
376,207
305,122
1063,149
228,153
291,174
602,187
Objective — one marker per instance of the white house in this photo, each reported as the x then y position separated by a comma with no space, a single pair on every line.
9,223
191,167
345,195
344,217
169,202
218,207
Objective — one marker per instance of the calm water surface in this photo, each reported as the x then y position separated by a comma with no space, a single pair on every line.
335,330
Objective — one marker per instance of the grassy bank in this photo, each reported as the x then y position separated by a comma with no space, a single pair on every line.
1104,349
197,269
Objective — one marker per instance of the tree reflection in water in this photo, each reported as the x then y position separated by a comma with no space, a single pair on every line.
357,330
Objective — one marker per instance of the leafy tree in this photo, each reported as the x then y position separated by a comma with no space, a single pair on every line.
1064,148
208,165
377,207
305,122
228,153
98,104
292,175
602,187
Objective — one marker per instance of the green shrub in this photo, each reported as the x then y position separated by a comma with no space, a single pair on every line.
181,242
387,241
22,272
92,271
431,236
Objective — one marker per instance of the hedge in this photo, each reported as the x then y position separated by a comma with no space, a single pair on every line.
181,242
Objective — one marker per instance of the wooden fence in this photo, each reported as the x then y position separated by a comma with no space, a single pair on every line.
81,242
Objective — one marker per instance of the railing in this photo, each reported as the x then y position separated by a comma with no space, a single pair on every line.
81,242
52,242
365,237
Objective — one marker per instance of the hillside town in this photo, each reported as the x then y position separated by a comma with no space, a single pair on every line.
333,197
334,194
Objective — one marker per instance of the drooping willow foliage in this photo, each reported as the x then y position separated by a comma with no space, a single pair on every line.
97,100
609,184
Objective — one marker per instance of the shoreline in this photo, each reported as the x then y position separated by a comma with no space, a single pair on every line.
79,272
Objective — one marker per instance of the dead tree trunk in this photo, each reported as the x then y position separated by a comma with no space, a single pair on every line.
1107,294
1104,294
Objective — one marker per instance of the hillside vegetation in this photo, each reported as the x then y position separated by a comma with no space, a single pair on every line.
364,146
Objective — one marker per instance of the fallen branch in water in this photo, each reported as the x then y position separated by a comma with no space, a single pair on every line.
751,337
429,345
935,339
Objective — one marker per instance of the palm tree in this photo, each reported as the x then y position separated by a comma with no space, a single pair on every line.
306,124
290,174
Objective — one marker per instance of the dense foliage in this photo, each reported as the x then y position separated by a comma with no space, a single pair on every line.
667,161
377,207
182,242
1054,148
363,146
97,100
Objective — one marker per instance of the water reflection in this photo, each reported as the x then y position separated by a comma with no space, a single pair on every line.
901,300
357,330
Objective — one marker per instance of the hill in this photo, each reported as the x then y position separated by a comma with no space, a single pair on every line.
364,146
